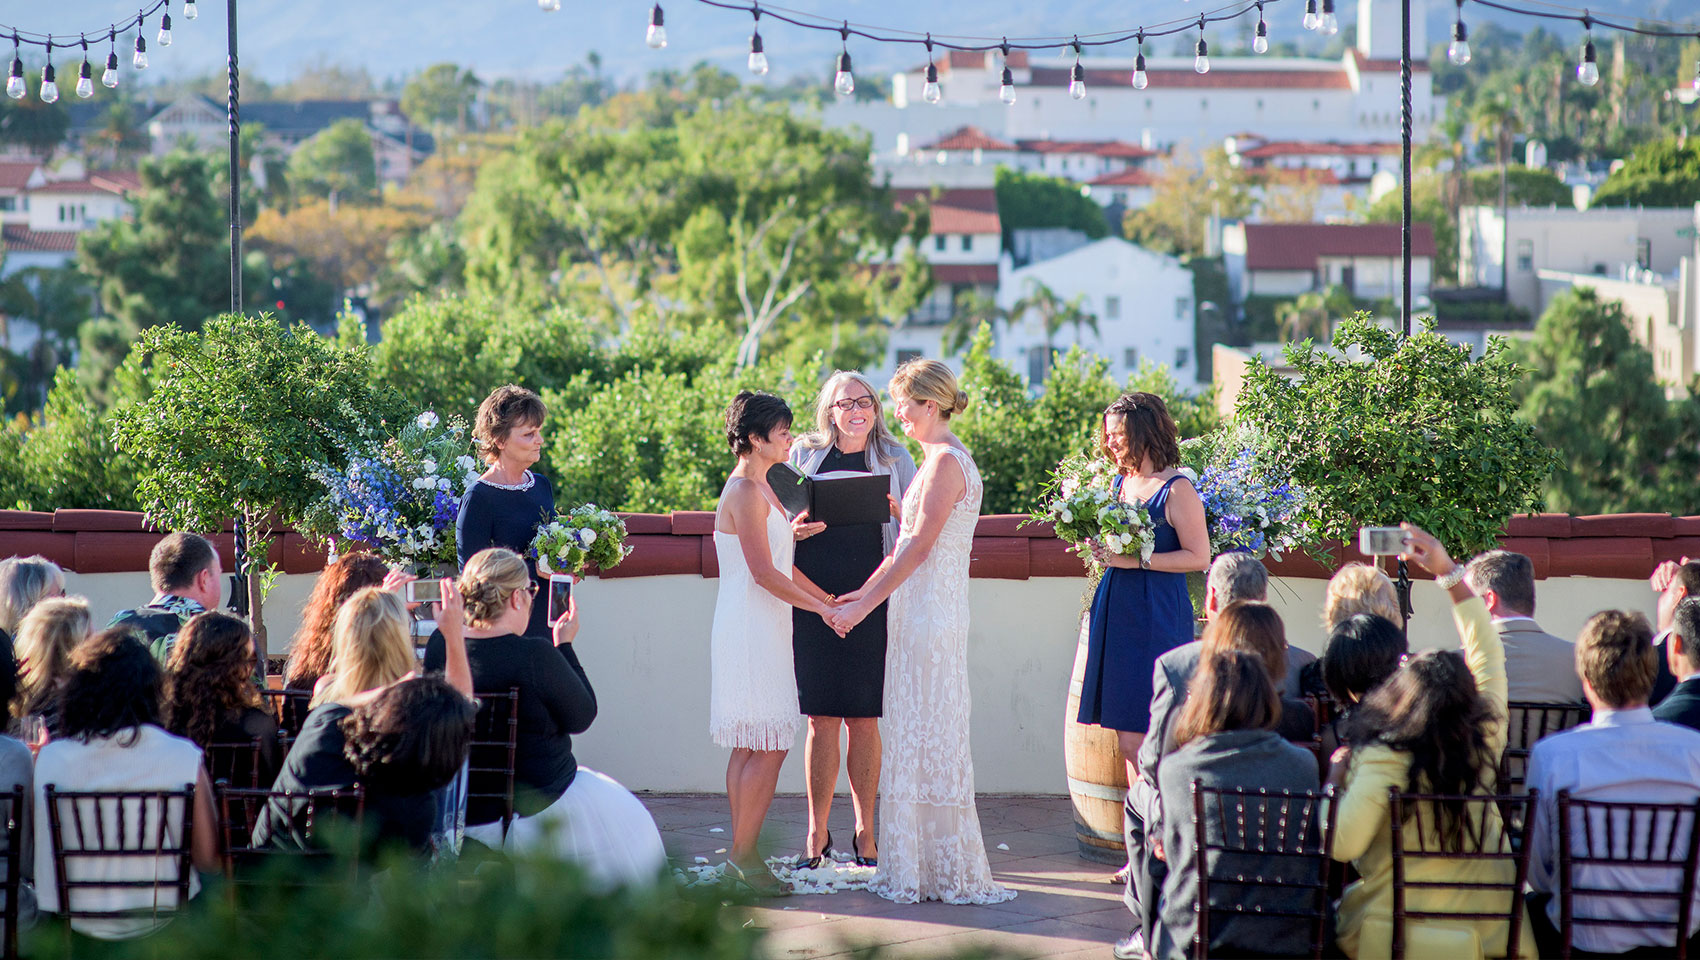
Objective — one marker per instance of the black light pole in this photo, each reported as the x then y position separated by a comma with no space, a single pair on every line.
1404,581
239,577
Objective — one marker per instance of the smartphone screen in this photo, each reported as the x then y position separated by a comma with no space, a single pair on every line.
560,595
424,591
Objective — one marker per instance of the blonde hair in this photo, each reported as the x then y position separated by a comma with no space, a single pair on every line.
1359,588
880,441
46,637
23,582
489,579
369,645
924,380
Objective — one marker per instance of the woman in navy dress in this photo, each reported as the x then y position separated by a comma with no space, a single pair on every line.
1142,609
509,502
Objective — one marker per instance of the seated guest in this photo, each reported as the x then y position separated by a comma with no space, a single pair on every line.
1358,588
1540,667
1674,582
1682,656
1236,576
310,654
45,639
1228,741
16,770
401,746
370,651
1362,651
1622,754
110,739
24,582
213,698
1432,727
186,580
563,808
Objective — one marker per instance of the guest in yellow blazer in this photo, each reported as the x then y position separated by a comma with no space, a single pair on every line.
1435,726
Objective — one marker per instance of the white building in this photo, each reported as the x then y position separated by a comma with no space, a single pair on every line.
1287,259
82,203
17,178
1604,241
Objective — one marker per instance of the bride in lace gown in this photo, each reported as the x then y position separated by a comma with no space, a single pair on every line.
929,832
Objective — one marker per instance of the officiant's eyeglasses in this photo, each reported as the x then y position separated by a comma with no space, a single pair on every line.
851,403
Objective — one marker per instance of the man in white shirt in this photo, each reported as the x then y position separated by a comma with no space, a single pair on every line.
1622,754
1539,667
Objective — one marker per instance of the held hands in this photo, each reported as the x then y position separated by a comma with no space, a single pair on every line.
565,629
846,617
395,581
802,529
1104,558
896,508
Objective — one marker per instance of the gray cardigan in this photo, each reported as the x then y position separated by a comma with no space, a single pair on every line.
1243,759
901,470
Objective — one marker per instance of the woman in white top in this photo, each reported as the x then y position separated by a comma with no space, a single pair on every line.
753,695
110,739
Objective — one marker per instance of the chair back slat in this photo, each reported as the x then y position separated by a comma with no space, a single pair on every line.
493,753
14,813
97,835
240,808
291,707
1486,836
1528,722
1653,846
236,762
1287,832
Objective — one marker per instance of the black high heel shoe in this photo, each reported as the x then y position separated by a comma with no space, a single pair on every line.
856,854
810,863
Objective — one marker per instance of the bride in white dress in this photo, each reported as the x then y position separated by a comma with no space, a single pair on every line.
929,833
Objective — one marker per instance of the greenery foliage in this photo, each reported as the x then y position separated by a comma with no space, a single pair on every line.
1413,430
337,162
1033,200
1665,173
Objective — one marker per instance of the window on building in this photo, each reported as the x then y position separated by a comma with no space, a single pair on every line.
1182,355
1112,308
967,243
1130,358
8,203
903,356
1118,197
1183,306
1038,362
1644,253
939,242
1525,255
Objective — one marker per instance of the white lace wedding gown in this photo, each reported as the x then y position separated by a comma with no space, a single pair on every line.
930,846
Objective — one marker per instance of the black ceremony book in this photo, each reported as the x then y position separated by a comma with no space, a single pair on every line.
836,499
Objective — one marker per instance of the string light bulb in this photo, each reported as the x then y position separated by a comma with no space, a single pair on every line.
758,57
1312,19
85,76
164,38
1260,42
549,6
1077,76
1588,71
1006,83
49,86
843,81
15,87
1139,79
931,92
191,11
140,60
1459,50
656,35
1330,24
1201,61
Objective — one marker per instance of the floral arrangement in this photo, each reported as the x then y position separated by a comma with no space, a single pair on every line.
1250,501
583,537
1079,500
400,496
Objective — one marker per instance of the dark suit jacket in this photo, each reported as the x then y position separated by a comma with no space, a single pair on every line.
1682,706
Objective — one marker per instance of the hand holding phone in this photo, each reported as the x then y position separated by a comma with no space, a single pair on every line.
425,591
1381,541
560,595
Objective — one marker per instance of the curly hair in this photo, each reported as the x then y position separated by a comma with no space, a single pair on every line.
114,687
1150,430
310,654
211,675
491,577
505,409
410,739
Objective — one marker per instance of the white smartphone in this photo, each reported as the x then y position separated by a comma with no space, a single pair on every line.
1381,541
425,591
560,595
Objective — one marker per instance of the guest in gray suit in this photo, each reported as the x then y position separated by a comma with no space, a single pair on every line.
1541,668
1228,741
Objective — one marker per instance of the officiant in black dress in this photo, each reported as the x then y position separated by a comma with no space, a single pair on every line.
509,501
841,681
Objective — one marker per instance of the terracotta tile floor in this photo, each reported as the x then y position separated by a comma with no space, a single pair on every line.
1065,907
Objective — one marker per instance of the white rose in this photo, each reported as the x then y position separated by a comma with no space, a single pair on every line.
587,536
428,466
444,485
1067,515
466,463
424,483
427,420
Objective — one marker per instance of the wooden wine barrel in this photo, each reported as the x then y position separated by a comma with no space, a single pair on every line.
1097,775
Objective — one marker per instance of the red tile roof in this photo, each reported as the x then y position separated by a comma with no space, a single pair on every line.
1326,178
1218,79
968,138
1311,148
979,274
958,211
976,60
19,238
94,184
1298,246
1126,178
1096,148
13,176
1366,65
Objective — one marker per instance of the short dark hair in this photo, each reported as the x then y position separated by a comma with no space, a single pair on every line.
1688,574
753,415
1615,655
1685,623
1362,651
178,559
504,409
1150,430
1511,577
412,738
114,687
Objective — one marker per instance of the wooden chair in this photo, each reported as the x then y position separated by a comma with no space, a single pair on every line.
14,813
128,846
495,746
240,808
1286,833
1657,843
291,707
1526,723
1480,845
236,762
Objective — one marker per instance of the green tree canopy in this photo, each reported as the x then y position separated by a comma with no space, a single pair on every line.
439,95
337,162
1592,395
1189,191
1665,173
1524,187
1032,200
37,127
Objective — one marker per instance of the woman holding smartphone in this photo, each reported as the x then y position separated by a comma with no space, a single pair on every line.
509,502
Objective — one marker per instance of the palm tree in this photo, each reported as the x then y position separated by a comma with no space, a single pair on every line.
1311,315
1055,313
971,309
1496,112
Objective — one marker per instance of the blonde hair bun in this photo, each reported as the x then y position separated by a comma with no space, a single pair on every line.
961,402
490,578
930,381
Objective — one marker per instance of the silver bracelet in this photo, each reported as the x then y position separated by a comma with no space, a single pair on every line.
1452,579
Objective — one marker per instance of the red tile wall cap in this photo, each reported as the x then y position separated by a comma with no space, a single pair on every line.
657,555
1675,549
999,558
1537,549
707,559
108,521
61,548
1539,525
1623,525
1051,558
1011,525
1685,526
25,520
648,522
1628,558
688,523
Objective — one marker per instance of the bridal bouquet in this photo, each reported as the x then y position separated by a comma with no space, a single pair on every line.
400,495
583,537
1079,500
1250,501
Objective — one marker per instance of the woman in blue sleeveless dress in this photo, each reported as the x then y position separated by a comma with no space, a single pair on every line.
1141,609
